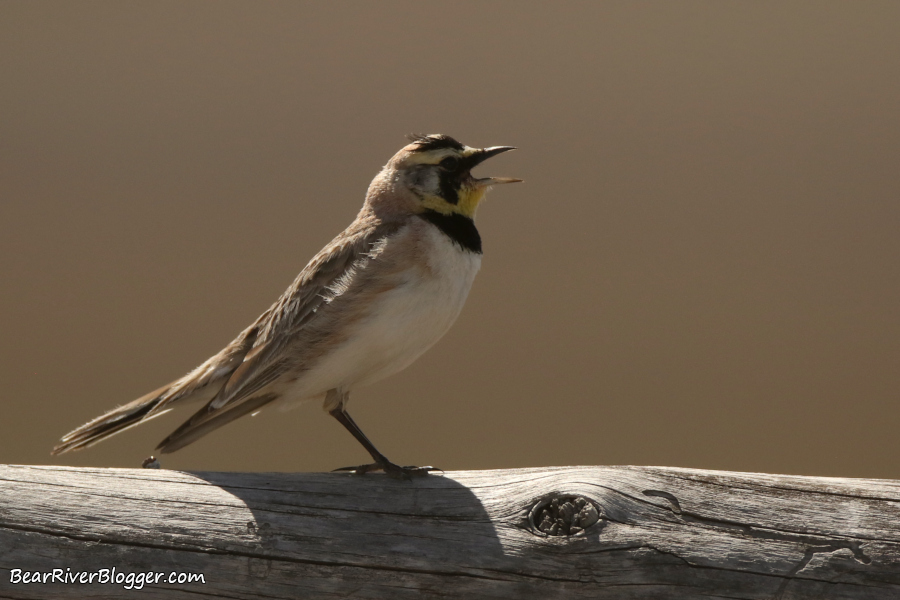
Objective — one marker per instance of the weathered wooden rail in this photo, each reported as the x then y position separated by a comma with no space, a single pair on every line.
620,532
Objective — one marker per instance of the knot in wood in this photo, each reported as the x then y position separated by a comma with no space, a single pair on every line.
563,515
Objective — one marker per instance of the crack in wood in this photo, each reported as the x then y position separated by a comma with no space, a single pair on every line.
762,532
807,557
281,558
676,507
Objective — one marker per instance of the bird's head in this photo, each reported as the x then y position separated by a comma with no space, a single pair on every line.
435,171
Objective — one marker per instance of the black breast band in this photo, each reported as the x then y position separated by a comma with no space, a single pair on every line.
459,228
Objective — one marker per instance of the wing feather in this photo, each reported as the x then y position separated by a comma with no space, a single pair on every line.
270,356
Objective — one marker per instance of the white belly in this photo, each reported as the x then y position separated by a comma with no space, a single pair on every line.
402,323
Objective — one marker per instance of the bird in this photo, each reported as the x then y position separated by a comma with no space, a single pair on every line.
366,306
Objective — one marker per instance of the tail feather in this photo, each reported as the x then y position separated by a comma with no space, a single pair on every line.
208,419
115,421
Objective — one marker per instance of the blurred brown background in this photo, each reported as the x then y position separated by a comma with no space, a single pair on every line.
701,269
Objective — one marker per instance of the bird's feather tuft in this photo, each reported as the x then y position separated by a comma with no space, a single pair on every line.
435,141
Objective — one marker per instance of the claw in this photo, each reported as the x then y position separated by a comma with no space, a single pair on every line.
390,469
359,470
425,470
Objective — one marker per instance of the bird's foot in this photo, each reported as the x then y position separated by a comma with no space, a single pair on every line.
150,462
391,470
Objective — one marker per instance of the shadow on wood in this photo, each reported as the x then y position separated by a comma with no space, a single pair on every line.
571,532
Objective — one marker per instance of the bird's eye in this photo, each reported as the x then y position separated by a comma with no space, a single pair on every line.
449,163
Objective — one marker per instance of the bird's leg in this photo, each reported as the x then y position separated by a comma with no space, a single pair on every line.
381,462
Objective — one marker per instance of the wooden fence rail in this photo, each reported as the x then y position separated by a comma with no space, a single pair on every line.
570,532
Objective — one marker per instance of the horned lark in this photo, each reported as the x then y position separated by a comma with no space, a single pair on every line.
366,306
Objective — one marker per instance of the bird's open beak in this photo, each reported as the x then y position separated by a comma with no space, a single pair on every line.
483,155
489,181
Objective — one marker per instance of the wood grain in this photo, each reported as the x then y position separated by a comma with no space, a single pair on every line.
662,533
